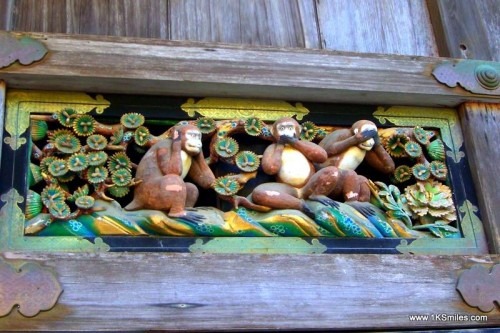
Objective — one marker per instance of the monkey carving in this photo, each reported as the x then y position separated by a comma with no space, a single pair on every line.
292,160
162,171
347,149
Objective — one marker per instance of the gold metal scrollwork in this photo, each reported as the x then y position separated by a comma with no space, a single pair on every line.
219,108
444,119
21,103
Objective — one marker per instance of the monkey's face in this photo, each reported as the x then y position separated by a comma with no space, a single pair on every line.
367,128
191,143
286,128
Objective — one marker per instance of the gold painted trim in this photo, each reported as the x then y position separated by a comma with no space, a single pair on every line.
268,245
220,108
12,236
445,119
21,103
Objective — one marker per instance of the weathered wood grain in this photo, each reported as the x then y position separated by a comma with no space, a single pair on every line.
28,15
384,26
5,14
126,65
223,292
282,23
481,129
472,28
138,18
92,17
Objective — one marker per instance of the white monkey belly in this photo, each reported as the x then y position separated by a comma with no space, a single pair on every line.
295,168
186,163
352,158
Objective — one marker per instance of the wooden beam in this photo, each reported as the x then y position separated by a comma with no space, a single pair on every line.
140,66
173,292
481,129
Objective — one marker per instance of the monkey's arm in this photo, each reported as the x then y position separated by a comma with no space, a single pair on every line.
380,160
341,140
168,156
271,160
200,172
311,151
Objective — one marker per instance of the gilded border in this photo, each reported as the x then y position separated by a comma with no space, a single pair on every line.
447,121
19,105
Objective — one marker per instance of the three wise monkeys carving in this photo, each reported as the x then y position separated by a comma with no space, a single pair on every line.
303,170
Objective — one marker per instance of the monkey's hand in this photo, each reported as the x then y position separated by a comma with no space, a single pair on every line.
366,135
176,136
285,139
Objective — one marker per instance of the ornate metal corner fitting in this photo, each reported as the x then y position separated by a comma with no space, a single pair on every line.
29,286
479,77
268,245
219,108
479,287
26,50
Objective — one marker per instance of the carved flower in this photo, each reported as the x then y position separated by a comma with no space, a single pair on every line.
132,120
141,135
97,142
309,131
247,161
97,174
253,126
431,199
58,167
206,125
226,147
78,162
395,145
421,172
84,125
97,158
119,161
121,177
65,141
226,185
119,191
66,117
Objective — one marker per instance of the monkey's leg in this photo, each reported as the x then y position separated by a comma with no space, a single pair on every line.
277,195
364,189
192,194
173,195
322,182
352,187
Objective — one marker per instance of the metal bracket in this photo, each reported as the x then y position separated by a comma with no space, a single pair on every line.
480,288
29,286
476,76
26,50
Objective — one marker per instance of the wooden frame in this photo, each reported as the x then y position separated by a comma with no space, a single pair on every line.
259,291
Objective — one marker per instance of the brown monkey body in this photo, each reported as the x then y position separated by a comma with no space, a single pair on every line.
292,160
347,149
162,171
